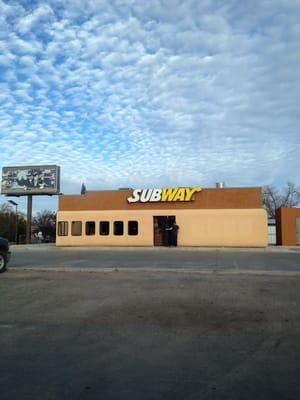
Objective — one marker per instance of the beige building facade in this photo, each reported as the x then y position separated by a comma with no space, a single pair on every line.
231,217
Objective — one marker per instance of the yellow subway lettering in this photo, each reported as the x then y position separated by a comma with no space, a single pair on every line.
180,195
168,194
190,192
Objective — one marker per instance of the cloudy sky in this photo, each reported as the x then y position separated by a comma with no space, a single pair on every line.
152,93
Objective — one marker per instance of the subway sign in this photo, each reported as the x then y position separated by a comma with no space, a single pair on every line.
163,195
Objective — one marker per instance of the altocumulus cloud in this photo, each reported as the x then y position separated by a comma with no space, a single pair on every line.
152,93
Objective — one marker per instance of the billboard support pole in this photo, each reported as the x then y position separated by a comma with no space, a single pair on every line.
29,218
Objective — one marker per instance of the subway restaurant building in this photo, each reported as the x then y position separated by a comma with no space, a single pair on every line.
205,217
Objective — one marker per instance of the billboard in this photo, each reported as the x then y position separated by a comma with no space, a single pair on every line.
36,179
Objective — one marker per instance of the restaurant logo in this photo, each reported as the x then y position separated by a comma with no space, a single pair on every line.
163,195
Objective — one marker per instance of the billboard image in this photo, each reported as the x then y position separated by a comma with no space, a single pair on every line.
39,179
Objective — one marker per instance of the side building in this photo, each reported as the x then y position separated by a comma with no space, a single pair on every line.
288,226
223,217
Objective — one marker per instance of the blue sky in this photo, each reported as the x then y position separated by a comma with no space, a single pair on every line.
132,93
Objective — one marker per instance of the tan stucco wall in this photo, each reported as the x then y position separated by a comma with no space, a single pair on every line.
229,227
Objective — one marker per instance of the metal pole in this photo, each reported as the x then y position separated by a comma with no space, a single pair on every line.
16,230
16,239
29,217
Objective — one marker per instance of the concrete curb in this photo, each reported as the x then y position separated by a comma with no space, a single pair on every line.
53,247
33,247
145,269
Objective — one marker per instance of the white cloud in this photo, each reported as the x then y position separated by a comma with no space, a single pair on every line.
8,10
6,60
23,47
152,93
41,14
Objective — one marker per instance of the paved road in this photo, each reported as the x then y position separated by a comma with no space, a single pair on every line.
149,336
157,258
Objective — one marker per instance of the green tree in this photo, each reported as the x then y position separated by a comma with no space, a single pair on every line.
8,221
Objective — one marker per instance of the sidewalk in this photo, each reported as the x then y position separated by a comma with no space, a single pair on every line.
52,246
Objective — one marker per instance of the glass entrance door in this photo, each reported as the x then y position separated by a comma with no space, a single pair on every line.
160,225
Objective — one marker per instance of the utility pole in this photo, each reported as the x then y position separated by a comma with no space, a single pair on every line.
16,230
29,218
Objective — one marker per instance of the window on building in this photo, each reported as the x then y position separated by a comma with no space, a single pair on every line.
90,228
118,228
104,228
76,228
133,228
62,229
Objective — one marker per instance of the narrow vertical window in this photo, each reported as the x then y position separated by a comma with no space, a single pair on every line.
104,228
133,228
76,228
62,229
118,228
90,228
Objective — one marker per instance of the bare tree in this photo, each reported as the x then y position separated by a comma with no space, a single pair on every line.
273,199
44,222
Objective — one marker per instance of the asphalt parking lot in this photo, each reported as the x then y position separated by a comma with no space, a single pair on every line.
272,259
149,335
